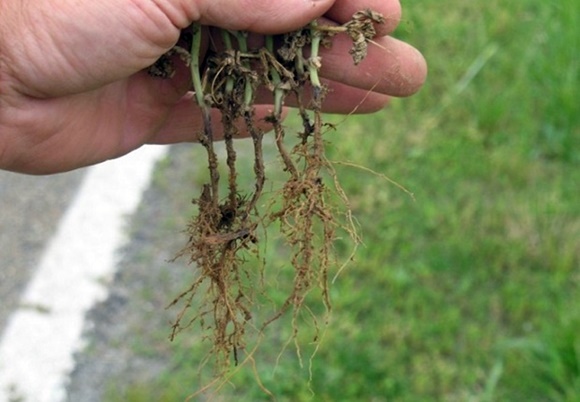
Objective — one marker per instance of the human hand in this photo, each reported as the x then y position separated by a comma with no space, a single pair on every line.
74,90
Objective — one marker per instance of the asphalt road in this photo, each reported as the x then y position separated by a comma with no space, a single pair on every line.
31,217
146,279
30,209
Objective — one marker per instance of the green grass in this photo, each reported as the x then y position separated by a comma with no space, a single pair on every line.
471,291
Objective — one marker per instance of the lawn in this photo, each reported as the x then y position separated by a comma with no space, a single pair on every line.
469,290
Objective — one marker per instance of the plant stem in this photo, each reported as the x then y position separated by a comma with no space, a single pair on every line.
248,115
228,44
195,67
207,136
314,60
241,37
276,80
230,110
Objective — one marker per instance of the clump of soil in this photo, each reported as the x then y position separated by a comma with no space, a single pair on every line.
228,223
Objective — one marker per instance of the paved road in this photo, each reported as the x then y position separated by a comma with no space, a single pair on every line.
30,209
59,242
134,312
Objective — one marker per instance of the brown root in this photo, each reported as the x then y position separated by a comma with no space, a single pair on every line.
305,208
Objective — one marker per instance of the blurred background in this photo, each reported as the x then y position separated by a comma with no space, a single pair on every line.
471,290
467,291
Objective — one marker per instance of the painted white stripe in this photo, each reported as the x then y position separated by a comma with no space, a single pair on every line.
36,350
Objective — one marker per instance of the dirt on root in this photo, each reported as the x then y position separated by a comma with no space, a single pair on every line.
228,222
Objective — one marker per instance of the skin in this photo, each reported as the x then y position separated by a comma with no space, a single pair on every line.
73,90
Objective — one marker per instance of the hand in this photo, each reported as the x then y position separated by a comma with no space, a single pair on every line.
74,90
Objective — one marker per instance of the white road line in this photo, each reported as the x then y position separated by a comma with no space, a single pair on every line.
37,347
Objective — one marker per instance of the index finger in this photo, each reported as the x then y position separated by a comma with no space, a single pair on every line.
343,10
260,16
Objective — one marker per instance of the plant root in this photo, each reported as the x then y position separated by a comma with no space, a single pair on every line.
305,208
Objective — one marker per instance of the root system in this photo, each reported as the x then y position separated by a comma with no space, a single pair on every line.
227,226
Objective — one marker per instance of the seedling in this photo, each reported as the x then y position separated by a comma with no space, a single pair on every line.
228,226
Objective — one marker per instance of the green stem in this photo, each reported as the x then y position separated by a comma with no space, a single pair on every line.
276,79
314,62
299,63
228,44
207,137
195,67
314,66
248,89
227,39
